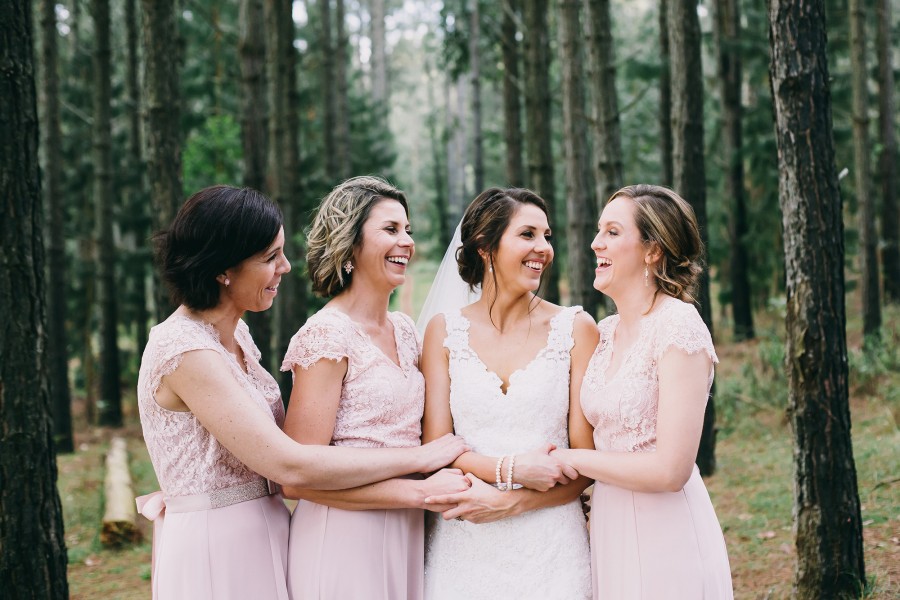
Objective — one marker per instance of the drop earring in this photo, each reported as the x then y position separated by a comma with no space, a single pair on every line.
348,266
646,276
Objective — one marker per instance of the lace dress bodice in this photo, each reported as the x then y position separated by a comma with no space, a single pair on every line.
539,554
622,406
186,457
381,403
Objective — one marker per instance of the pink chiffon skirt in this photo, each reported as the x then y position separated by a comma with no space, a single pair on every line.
235,552
663,545
366,554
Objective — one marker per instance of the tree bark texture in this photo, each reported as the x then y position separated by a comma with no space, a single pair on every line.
665,96
475,72
342,89
688,167
284,166
379,54
137,200
727,29
890,211
512,95
33,556
163,121
865,202
581,203
329,92
607,135
828,529
110,402
538,139
254,136
57,349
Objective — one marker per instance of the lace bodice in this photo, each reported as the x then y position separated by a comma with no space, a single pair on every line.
623,408
381,404
534,409
186,457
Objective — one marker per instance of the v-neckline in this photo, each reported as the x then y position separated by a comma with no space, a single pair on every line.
642,325
362,331
514,373
245,369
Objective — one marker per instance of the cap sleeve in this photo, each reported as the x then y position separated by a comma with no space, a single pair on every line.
324,336
167,344
683,328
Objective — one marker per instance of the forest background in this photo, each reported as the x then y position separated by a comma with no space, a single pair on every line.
141,103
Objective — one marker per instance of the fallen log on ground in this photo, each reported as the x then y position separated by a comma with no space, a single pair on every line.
119,527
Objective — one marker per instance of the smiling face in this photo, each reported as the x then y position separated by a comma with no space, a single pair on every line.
253,283
621,254
524,251
385,248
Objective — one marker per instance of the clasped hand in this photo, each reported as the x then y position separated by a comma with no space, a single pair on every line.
538,470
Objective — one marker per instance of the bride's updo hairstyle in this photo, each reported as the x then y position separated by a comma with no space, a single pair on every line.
666,220
483,224
215,229
337,229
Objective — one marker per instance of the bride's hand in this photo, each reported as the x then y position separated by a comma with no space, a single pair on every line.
445,481
439,453
481,503
538,470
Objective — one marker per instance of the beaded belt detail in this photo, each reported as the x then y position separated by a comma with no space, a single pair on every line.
239,493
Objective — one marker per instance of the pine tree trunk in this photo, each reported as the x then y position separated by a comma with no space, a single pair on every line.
868,241
581,203
33,555
537,117
512,95
284,164
665,96
329,93
110,404
827,527
437,166
890,211
163,121
57,348
379,55
254,136
136,196
688,166
342,93
475,64
727,23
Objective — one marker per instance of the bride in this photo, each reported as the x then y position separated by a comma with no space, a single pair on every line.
504,372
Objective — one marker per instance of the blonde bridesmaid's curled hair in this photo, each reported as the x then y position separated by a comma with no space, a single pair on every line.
667,221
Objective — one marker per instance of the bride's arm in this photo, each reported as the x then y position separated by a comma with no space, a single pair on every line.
683,393
311,418
536,469
484,504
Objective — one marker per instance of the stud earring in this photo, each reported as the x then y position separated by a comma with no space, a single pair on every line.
227,282
646,276
348,266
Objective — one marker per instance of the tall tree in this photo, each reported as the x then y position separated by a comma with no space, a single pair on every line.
110,405
379,54
607,135
868,242
57,349
163,119
537,116
727,27
329,92
890,213
512,94
688,168
665,96
828,528
33,556
254,134
284,162
581,202
137,200
475,74
342,92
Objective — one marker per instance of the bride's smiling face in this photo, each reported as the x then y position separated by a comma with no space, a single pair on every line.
524,251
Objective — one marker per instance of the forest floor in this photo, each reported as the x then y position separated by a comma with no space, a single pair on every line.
752,489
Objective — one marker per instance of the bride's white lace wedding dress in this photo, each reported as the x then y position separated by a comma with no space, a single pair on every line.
543,554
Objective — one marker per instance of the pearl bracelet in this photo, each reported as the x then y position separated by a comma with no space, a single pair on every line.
497,472
509,473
